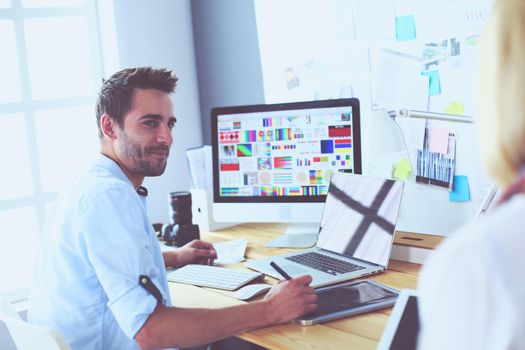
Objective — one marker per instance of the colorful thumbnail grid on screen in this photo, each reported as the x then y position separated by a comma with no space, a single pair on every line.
291,154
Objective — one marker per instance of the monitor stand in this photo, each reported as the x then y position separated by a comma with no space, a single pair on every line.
296,236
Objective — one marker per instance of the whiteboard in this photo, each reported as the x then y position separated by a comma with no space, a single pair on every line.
390,54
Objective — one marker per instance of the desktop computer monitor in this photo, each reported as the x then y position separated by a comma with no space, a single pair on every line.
272,163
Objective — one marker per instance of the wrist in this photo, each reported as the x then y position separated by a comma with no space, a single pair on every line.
170,259
270,314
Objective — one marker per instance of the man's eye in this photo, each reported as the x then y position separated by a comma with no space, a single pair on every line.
151,123
171,125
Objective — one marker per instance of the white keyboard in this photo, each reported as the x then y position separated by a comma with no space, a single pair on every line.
212,276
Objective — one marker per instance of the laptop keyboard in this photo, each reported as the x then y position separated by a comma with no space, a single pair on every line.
212,276
325,263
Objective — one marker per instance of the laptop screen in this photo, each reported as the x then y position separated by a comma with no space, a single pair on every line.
359,217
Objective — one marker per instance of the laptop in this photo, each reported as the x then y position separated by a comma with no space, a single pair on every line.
355,236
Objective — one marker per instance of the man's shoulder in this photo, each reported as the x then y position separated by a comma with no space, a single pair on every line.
96,182
100,176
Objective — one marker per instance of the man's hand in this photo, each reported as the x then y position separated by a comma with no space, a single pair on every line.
195,252
290,299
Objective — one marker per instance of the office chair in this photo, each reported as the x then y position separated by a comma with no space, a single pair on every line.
27,336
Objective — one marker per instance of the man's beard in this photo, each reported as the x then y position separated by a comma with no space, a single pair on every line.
135,154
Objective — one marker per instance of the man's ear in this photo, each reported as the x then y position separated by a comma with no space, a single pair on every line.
108,127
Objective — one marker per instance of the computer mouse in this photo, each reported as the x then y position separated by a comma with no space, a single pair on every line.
251,290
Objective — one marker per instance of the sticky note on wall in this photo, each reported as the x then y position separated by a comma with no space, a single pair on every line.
405,28
434,85
461,190
402,169
455,107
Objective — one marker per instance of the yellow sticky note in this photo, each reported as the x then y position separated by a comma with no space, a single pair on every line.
402,169
455,107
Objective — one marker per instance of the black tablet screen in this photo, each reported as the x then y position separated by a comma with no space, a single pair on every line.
348,296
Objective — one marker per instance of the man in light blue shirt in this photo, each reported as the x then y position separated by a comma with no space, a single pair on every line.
98,240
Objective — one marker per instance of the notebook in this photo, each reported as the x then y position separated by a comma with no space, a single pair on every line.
355,236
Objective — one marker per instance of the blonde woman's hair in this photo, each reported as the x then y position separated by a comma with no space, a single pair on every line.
502,91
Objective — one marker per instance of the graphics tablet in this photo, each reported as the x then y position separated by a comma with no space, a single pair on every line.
349,299
403,326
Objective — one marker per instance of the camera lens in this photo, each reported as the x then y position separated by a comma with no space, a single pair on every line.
180,207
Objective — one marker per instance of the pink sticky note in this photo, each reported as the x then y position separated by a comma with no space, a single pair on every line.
438,140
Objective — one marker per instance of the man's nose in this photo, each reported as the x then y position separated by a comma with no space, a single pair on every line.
165,136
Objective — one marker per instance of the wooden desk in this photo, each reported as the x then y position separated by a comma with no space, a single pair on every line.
357,332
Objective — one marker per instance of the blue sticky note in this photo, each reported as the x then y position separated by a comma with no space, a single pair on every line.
434,85
405,28
461,191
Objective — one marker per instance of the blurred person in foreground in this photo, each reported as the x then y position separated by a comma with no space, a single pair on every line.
472,289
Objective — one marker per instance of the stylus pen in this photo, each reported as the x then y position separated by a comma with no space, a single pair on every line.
281,271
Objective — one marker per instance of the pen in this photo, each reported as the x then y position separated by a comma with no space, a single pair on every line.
281,271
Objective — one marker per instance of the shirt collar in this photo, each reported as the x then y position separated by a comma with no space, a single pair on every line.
112,166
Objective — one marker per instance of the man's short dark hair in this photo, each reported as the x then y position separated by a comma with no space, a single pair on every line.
116,93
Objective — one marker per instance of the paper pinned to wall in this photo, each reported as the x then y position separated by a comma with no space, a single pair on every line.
328,75
452,83
414,133
430,19
381,165
200,165
382,27
399,83
438,140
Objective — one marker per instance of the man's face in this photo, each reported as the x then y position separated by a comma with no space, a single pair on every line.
144,142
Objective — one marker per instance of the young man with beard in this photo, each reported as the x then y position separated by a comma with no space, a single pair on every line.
98,240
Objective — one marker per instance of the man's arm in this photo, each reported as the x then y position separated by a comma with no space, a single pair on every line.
184,327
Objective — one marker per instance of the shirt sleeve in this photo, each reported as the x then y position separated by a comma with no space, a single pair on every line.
118,246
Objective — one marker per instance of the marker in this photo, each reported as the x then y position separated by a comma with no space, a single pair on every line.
281,271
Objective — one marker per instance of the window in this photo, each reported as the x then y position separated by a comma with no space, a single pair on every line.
51,68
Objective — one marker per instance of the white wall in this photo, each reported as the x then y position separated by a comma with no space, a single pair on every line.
159,33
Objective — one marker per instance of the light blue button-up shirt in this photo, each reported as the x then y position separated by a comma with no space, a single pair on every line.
96,243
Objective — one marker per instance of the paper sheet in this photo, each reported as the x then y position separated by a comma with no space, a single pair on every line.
399,83
382,166
374,20
429,19
414,133
230,252
200,164
438,141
